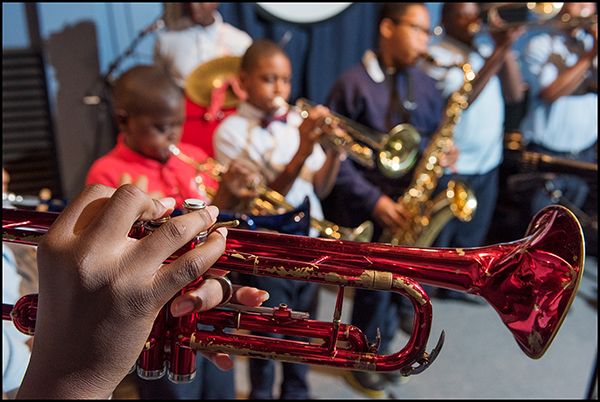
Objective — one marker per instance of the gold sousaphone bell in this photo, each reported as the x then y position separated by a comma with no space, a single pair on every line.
211,76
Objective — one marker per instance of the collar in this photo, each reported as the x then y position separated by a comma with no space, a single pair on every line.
373,67
371,63
251,112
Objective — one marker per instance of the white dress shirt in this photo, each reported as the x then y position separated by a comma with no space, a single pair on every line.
269,150
15,353
186,45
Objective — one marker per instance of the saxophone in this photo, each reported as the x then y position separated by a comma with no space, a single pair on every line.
428,216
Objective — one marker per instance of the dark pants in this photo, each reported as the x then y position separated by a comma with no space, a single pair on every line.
378,310
457,233
299,296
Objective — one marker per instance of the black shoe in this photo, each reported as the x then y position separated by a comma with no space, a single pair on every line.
369,383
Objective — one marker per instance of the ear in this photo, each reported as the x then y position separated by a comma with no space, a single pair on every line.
386,28
121,118
238,89
242,79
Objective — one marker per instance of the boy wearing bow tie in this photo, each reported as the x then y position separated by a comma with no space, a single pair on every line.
267,138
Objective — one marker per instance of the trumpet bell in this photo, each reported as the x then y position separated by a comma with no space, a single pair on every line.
399,151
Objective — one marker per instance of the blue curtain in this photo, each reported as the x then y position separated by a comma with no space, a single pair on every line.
319,52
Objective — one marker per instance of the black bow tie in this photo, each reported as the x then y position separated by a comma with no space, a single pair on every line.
264,123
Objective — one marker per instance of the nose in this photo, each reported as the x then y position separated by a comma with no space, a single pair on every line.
279,86
173,134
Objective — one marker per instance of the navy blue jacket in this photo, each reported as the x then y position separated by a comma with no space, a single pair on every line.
356,96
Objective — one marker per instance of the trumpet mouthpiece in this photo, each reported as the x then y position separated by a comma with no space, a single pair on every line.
173,149
279,102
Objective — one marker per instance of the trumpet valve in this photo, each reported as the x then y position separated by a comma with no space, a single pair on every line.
190,205
282,311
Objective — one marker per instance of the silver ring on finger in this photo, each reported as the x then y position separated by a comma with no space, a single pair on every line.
226,285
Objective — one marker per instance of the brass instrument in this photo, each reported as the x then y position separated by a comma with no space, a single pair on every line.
531,283
515,150
427,216
214,75
274,203
396,151
430,59
544,18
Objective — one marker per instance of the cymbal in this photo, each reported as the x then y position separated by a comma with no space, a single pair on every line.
210,75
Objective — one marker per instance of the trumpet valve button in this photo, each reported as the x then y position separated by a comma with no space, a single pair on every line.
193,204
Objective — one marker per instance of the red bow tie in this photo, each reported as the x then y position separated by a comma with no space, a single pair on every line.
264,123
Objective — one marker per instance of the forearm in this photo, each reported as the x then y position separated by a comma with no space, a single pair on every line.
326,176
490,68
568,81
511,79
66,380
283,183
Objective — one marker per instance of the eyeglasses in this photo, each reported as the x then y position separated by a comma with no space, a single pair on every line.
415,27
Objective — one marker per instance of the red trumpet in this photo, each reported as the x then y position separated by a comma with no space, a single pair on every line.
530,282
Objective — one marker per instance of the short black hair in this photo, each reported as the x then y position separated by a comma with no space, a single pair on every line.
394,11
261,48
139,86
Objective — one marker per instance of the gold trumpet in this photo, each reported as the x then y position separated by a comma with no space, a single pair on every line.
274,203
544,14
397,151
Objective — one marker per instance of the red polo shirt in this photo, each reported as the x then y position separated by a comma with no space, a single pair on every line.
175,178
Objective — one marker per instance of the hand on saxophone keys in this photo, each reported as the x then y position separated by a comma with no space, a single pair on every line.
449,158
390,214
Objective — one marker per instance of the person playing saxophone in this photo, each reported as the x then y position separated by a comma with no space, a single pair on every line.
480,132
381,91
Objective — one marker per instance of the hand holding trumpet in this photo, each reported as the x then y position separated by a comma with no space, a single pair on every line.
236,185
501,33
98,284
312,128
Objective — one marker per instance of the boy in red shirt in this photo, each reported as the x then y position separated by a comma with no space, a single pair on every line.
149,109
